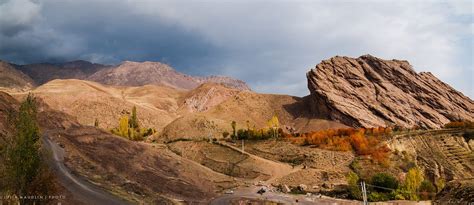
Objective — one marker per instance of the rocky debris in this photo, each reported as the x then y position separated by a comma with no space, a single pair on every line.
370,92
456,192
11,78
143,73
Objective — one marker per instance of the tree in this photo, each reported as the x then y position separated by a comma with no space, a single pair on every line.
274,124
123,126
353,183
413,180
133,120
27,174
234,125
384,180
96,122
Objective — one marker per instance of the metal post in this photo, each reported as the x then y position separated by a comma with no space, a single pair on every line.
364,192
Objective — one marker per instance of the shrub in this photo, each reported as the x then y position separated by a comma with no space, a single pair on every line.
225,134
377,196
353,185
427,190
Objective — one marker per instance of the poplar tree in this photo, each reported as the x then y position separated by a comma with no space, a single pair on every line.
23,162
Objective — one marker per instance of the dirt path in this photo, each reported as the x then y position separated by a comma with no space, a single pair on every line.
81,189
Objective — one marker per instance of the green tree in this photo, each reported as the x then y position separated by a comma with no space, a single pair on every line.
384,180
133,120
234,125
27,174
353,183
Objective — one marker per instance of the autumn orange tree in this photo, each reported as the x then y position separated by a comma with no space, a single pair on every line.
363,141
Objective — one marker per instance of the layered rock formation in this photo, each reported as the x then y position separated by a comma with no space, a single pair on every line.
369,92
137,74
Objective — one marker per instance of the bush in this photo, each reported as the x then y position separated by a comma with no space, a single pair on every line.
353,185
377,196
225,134
384,180
427,190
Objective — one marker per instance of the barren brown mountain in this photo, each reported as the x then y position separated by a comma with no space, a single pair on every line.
137,74
44,72
11,78
369,92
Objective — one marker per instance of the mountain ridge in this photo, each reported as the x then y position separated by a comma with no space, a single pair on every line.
127,73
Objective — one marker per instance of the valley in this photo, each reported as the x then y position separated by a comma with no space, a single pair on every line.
215,141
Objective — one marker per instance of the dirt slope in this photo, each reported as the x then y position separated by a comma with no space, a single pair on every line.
175,113
85,100
12,79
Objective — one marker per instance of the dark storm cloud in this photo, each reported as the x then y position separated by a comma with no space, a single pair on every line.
269,45
98,31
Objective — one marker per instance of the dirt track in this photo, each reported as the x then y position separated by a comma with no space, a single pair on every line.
81,189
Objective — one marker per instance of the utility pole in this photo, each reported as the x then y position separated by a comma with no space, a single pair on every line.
364,192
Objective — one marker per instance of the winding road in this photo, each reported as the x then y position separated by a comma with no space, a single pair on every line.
81,189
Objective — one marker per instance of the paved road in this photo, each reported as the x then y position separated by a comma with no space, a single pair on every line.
81,189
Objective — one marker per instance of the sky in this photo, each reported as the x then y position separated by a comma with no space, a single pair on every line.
269,44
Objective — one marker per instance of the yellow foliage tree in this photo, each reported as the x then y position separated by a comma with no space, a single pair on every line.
123,126
274,124
413,181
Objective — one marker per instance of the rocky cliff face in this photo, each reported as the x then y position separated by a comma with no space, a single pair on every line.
137,74
368,91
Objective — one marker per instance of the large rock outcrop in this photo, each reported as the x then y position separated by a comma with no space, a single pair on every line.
368,92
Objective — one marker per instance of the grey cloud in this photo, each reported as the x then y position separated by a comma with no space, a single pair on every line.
269,45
